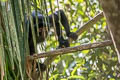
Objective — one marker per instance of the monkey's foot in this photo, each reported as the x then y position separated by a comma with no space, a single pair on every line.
73,35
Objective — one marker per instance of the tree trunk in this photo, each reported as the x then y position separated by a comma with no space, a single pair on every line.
111,9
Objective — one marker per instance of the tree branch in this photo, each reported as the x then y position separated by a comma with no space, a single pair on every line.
111,10
90,23
85,27
72,49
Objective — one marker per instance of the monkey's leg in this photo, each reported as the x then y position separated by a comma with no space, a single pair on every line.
63,19
54,19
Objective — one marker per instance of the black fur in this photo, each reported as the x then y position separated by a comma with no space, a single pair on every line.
43,28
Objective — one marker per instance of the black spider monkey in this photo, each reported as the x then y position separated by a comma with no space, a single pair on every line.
58,16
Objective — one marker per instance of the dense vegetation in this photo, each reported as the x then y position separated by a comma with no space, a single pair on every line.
92,64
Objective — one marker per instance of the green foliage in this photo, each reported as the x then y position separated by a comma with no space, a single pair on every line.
93,64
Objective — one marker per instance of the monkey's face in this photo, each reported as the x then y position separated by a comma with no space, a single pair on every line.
42,34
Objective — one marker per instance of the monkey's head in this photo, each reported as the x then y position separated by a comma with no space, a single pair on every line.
43,32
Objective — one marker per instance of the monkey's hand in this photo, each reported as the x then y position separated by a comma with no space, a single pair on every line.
73,35
63,44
